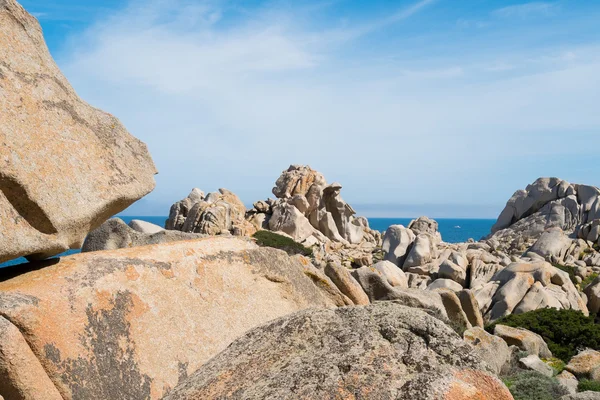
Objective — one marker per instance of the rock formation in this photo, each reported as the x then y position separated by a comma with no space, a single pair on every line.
548,203
66,166
115,234
217,213
132,323
381,351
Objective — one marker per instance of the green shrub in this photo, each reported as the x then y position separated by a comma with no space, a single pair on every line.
587,385
270,239
557,364
569,270
588,280
532,385
565,331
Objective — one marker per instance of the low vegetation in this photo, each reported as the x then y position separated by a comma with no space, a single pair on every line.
589,279
586,385
270,239
532,385
565,331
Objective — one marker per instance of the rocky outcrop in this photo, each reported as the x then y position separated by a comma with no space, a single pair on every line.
381,351
547,203
115,234
132,323
67,167
217,213
313,213
523,287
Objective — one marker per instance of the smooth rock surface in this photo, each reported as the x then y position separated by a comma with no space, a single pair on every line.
132,323
491,349
144,226
530,342
66,166
381,351
533,363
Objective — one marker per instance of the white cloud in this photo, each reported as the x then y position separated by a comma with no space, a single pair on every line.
225,104
527,10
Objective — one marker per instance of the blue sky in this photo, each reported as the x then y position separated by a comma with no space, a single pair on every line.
434,107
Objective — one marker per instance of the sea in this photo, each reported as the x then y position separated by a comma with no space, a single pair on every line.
452,230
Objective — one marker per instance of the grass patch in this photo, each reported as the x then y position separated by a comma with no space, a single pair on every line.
564,331
532,385
270,239
588,385
557,364
588,280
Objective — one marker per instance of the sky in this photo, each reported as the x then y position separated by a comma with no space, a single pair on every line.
432,107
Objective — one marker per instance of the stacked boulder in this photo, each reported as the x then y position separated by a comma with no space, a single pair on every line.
548,203
216,213
313,213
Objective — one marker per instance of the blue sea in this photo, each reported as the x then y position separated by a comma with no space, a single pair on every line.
452,230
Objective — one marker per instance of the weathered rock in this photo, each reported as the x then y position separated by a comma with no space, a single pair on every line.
115,234
324,283
568,381
343,279
592,291
445,284
470,306
66,166
394,275
530,342
421,252
482,273
22,377
491,349
297,179
552,244
397,241
527,202
533,363
582,396
524,286
585,365
381,351
458,319
450,270
426,225
144,226
129,324
288,219
217,213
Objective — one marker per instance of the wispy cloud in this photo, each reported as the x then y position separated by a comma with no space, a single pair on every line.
527,10
231,100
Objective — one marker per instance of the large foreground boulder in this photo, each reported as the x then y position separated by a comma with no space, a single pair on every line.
66,167
380,351
132,323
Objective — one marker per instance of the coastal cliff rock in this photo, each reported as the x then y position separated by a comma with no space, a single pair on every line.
380,351
132,323
66,166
